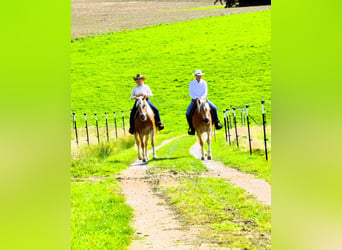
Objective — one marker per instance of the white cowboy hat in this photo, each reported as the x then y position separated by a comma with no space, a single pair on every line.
198,72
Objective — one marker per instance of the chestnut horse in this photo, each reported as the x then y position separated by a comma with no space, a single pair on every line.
144,127
202,122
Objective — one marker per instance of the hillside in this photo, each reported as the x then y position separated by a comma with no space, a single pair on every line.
234,51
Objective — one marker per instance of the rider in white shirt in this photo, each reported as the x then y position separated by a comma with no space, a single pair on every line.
142,90
198,89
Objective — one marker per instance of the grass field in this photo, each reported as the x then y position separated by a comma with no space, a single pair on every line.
100,219
233,51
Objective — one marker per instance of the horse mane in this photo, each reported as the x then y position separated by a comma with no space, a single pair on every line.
202,103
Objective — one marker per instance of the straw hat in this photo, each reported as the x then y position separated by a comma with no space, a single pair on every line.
139,76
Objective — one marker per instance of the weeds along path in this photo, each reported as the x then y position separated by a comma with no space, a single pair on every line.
155,223
257,187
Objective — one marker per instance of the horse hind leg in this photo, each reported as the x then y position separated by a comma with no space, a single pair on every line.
146,146
209,146
153,144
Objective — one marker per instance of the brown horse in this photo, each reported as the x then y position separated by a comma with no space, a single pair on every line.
144,126
202,123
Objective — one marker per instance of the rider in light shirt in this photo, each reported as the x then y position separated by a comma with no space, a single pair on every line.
198,89
142,89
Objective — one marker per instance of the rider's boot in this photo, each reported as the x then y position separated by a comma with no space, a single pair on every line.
160,126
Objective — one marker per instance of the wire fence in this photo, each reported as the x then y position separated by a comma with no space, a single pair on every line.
105,126
235,118
238,123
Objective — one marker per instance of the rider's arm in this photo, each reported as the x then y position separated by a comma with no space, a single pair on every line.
148,91
133,94
191,91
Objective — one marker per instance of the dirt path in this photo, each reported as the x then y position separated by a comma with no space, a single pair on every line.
156,225
90,17
257,187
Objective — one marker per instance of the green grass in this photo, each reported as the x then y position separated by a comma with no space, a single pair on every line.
175,157
100,219
103,159
234,51
241,159
228,215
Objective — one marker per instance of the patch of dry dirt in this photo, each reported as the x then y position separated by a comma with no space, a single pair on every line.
90,17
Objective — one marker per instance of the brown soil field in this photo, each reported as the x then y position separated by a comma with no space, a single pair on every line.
91,17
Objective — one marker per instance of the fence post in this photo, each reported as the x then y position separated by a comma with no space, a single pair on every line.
123,121
116,129
229,119
249,133
97,128
230,143
236,133
107,126
241,117
264,125
86,126
225,124
75,127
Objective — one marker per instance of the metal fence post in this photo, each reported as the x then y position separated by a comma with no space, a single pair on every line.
75,126
241,116
225,124
86,126
116,129
97,128
107,126
230,143
264,125
123,121
249,133
236,133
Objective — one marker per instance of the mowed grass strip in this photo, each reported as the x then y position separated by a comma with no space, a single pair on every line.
227,214
175,157
241,159
100,219
234,51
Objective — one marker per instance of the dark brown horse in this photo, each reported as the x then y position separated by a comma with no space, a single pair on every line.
202,122
144,127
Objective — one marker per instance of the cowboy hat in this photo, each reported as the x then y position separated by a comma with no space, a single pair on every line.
198,72
139,76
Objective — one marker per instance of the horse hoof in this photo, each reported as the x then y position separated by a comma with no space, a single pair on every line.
202,158
154,157
144,160
139,157
209,157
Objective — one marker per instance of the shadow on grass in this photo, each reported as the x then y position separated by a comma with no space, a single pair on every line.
169,158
